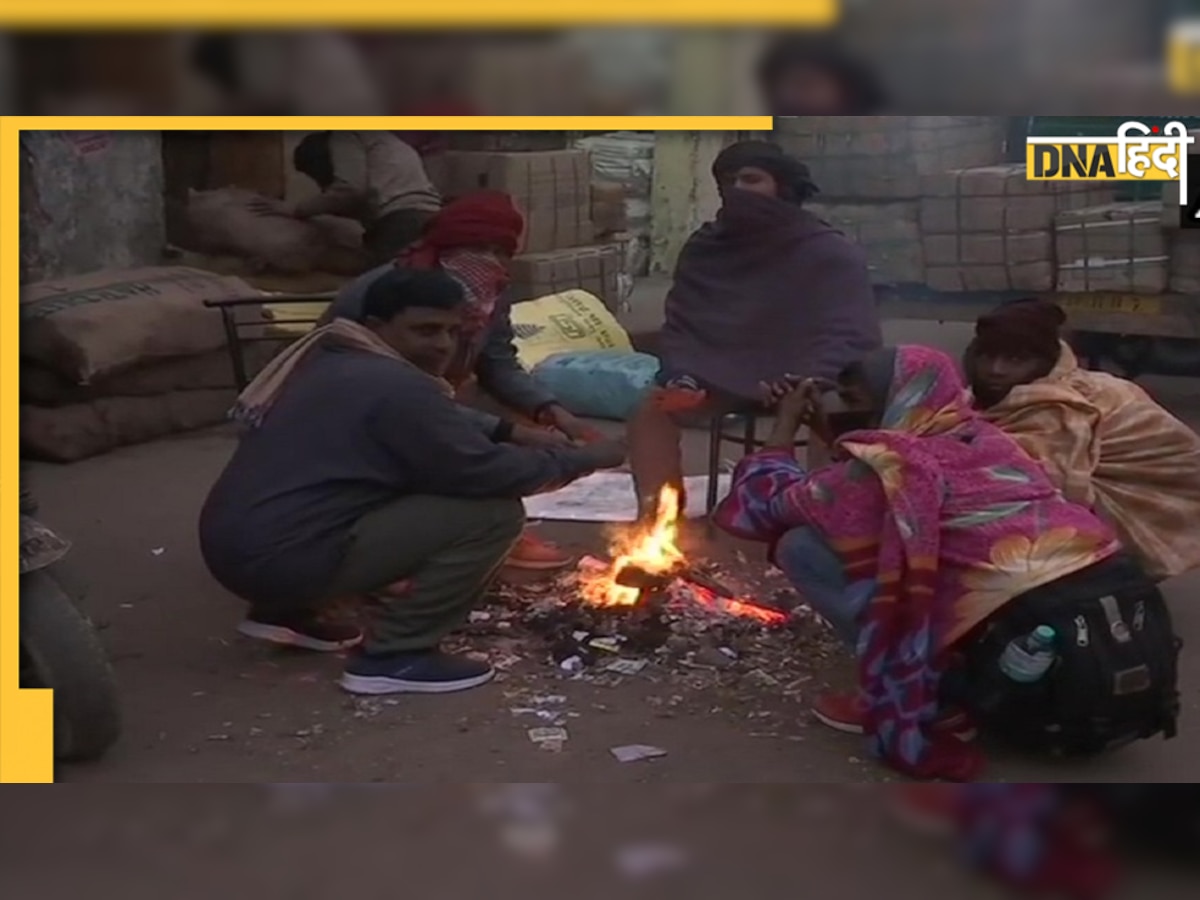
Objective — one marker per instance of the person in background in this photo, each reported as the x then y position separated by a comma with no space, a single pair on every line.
929,522
360,476
473,238
1104,442
373,177
766,290
805,74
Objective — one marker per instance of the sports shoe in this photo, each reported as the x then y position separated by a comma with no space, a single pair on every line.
431,672
534,554
846,713
307,632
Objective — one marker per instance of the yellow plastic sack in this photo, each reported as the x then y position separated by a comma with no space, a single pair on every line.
299,317
562,323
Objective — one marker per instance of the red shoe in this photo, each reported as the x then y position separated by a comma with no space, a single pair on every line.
846,713
534,554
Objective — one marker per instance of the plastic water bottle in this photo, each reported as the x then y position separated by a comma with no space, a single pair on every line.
1028,658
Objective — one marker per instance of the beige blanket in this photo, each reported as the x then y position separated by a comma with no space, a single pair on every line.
1108,445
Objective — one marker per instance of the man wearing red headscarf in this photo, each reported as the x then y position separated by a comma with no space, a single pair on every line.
473,238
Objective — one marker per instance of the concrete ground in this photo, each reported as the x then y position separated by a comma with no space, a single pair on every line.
203,705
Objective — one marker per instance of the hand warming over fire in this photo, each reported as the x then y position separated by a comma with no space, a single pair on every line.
797,404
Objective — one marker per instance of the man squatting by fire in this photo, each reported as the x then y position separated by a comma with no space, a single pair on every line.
472,239
359,475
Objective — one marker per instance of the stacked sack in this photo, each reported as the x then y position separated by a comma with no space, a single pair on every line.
622,180
121,357
553,190
991,229
872,169
225,223
1114,247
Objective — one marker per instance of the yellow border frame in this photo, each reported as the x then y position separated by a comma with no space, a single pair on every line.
26,717
148,14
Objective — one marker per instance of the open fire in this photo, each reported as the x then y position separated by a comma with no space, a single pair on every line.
648,561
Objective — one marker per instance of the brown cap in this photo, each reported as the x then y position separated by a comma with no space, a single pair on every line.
1029,327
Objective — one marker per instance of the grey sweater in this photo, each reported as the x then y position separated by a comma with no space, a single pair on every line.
351,432
497,367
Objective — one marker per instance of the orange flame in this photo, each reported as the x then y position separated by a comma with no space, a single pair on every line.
652,549
655,551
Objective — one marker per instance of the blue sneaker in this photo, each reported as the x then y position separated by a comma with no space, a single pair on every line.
431,672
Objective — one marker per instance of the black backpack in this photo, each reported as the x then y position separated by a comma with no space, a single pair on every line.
1114,680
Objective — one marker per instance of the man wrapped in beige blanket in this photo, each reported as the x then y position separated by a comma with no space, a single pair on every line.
1104,441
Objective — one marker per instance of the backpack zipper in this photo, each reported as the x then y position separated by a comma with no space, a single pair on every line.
1116,625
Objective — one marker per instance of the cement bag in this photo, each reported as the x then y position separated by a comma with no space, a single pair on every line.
222,221
570,322
205,371
68,433
599,384
92,325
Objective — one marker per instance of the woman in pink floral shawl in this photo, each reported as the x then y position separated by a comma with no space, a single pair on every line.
930,521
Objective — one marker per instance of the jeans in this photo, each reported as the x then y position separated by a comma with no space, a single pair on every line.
818,575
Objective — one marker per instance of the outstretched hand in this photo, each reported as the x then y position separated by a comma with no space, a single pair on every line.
532,436
561,419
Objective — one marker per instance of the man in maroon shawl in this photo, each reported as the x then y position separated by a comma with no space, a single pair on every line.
765,291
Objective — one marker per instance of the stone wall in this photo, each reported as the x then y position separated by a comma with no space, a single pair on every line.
89,201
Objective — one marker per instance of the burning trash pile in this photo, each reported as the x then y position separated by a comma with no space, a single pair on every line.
650,602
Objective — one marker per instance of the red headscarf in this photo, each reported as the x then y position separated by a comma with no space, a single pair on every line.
476,220
481,221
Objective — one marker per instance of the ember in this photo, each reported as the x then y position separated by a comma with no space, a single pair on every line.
648,561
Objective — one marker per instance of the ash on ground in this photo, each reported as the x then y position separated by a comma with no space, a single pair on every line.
668,636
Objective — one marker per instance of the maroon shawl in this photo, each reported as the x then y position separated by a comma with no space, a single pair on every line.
766,290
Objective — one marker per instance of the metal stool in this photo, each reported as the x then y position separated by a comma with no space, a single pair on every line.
719,433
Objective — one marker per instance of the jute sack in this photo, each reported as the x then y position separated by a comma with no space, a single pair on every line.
223,221
94,325
69,433
205,371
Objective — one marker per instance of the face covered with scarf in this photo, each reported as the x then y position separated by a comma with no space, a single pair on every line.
768,287
472,238
763,168
1015,344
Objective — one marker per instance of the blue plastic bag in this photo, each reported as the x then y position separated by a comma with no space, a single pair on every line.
599,384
